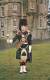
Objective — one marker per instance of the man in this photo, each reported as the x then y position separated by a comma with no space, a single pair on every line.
25,39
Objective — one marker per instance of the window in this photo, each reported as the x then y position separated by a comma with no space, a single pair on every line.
40,21
36,1
41,1
46,2
2,25
2,33
14,22
2,22
31,3
2,8
14,7
0,0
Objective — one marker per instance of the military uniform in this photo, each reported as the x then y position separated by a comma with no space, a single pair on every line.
24,51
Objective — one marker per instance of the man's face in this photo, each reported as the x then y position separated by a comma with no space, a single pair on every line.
23,28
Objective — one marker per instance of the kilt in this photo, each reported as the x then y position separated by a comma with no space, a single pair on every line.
29,55
18,52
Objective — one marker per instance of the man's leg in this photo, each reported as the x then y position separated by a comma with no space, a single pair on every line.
30,53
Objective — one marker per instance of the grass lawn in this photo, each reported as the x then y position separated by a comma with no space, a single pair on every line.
39,69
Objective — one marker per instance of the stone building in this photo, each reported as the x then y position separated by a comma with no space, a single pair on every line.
10,12
35,12
37,17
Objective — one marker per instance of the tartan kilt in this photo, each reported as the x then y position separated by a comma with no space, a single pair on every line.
18,53
29,55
